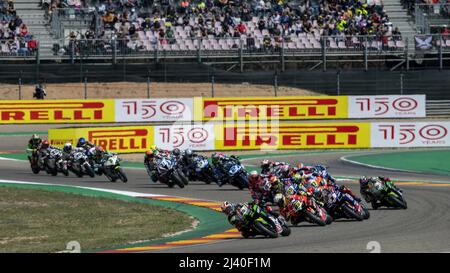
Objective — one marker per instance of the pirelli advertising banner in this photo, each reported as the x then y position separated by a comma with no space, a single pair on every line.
410,134
121,139
56,111
292,136
309,107
211,109
271,108
260,136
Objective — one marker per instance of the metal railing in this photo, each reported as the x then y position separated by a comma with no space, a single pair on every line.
431,14
63,18
438,108
204,47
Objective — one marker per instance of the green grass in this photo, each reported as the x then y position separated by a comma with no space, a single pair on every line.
435,161
45,221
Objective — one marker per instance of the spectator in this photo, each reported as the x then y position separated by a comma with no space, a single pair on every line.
39,92
23,30
241,28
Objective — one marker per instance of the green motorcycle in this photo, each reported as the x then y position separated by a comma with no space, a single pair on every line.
389,196
258,221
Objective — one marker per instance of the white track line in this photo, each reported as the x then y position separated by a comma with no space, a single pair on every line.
345,159
127,193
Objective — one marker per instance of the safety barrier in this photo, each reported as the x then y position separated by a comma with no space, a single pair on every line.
212,109
261,136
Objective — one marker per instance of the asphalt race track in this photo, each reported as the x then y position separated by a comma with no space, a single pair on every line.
423,227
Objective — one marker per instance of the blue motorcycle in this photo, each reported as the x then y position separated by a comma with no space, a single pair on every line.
201,170
235,174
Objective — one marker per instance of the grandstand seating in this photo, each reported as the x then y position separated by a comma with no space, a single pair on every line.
15,38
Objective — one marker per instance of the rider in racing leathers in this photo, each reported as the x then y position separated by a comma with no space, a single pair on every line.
149,163
99,158
86,145
367,189
219,160
34,142
230,210
42,151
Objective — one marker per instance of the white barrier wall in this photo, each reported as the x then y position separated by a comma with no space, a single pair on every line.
410,134
159,110
389,106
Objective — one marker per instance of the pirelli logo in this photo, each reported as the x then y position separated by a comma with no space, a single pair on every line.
275,108
295,136
114,139
55,111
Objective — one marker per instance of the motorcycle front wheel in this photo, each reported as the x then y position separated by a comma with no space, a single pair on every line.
265,230
122,176
176,178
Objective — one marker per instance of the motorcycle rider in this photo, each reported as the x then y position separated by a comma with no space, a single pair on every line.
99,158
42,151
34,142
188,162
149,163
367,189
230,210
86,145
219,160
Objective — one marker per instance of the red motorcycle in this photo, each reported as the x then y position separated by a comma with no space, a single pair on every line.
304,207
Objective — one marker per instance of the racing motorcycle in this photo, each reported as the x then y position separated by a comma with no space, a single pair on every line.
236,174
201,170
169,172
113,170
342,205
80,165
258,221
389,196
61,164
50,162
304,207
34,162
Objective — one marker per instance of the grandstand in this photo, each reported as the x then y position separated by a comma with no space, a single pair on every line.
220,36
131,27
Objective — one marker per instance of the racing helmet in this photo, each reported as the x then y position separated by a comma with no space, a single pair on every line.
290,190
45,144
215,158
265,164
98,150
81,141
266,185
149,154
176,152
274,181
35,137
227,207
285,170
363,181
67,147
279,200
253,177
188,153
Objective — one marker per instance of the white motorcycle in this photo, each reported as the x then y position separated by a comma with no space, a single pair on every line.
113,170
80,165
